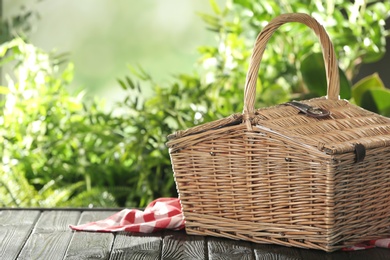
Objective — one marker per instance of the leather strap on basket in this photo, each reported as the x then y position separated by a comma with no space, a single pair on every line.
332,73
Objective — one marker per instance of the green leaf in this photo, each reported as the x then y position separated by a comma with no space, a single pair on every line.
361,87
212,21
215,7
377,100
314,76
4,90
245,3
122,84
274,94
367,101
130,82
3,50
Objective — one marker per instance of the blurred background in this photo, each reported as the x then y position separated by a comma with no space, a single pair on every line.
60,147
103,38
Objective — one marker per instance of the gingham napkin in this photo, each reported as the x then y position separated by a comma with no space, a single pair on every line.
166,213
163,213
384,242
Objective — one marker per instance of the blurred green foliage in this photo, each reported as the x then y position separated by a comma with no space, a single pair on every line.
16,25
58,150
292,65
55,150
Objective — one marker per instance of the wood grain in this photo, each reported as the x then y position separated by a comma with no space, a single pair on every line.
51,236
221,249
274,252
137,246
321,255
44,234
15,227
376,253
177,245
90,245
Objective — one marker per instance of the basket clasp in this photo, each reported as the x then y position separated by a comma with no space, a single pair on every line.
309,110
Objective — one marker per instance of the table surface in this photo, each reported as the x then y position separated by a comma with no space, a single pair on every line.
44,234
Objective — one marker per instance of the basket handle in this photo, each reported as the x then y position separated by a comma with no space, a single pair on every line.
332,72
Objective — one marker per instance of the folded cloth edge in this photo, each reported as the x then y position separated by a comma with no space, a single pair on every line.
162,213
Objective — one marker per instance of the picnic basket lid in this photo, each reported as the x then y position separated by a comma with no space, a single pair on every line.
346,126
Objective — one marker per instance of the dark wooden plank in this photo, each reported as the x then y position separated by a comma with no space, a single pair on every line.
136,246
177,245
370,254
220,249
322,255
90,245
51,235
275,252
15,227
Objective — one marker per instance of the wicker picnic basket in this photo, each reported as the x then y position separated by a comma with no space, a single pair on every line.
310,174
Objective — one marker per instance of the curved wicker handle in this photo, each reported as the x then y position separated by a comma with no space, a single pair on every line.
332,72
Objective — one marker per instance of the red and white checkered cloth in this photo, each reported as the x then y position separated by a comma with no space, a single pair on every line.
163,213
383,242
166,213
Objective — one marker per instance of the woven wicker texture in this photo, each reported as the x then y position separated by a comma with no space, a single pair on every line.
274,175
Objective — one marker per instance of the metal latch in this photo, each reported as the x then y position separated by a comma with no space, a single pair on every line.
309,110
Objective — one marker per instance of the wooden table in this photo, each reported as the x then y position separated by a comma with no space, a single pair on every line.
44,234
